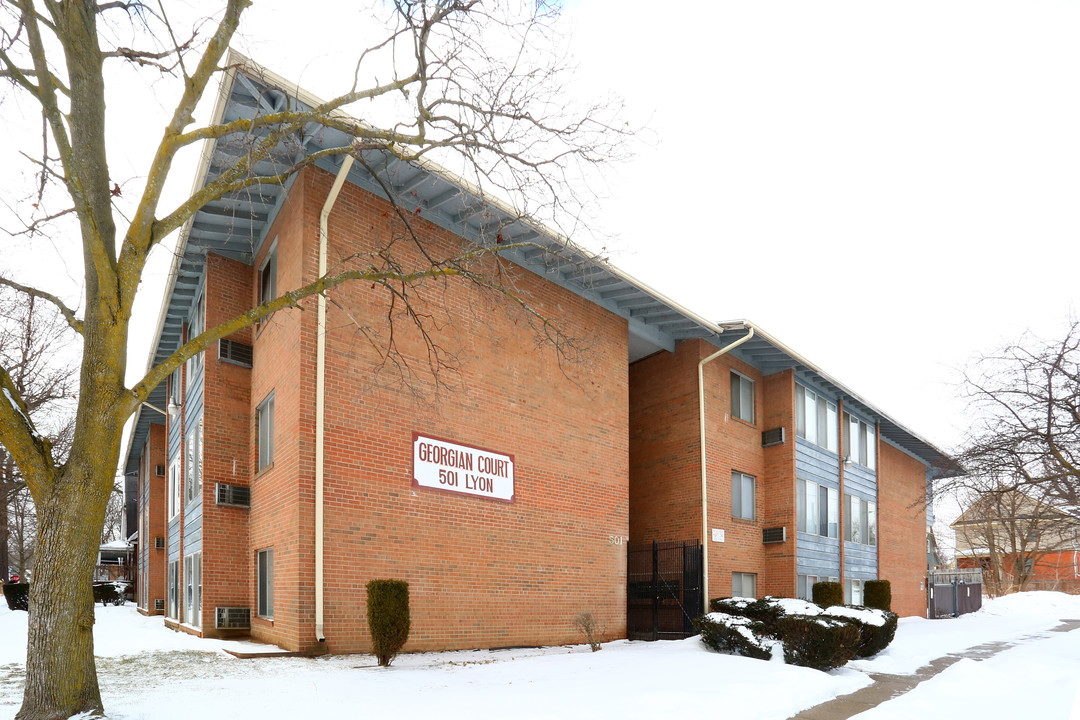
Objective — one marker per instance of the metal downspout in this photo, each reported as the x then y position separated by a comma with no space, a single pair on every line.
320,399
704,459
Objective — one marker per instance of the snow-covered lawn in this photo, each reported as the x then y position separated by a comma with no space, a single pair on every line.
148,672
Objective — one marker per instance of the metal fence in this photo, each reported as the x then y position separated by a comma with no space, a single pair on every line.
954,592
664,590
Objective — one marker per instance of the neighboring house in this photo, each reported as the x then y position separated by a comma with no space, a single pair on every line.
505,501
115,561
1019,542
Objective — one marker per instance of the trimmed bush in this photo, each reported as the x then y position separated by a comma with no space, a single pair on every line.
827,594
819,641
388,618
17,595
734,634
877,628
767,610
878,594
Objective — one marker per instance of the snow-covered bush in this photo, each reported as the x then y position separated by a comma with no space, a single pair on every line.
734,634
820,641
767,610
876,627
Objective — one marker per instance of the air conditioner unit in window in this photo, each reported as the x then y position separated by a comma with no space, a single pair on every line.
159,605
774,535
232,618
235,495
159,543
772,437
235,352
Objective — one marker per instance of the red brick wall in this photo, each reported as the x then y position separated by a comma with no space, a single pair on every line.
154,455
780,485
481,573
902,528
665,463
226,570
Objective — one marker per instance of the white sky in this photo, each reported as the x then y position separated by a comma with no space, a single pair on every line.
887,187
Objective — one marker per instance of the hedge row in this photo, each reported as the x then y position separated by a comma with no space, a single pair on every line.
812,636
18,595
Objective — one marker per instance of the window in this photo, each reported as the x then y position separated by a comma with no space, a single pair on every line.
174,386
860,444
193,589
860,520
196,325
264,421
174,487
742,496
265,579
193,461
174,590
744,585
742,397
815,419
817,509
853,592
268,275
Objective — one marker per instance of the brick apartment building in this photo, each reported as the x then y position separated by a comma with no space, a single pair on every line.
272,487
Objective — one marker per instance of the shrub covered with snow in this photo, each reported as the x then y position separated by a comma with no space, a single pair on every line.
876,627
819,641
734,634
767,610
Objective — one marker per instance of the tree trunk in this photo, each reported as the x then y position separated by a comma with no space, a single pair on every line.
61,678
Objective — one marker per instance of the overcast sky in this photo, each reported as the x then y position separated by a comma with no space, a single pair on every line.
887,187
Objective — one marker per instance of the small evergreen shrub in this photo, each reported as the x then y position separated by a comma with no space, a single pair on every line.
388,618
878,594
17,596
734,634
877,628
820,642
827,594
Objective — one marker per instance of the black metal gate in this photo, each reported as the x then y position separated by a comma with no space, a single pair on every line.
664,590
954,592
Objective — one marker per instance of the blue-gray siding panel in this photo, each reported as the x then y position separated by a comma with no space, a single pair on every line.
174,539
193,527
816,464
860,482
860,561
817,555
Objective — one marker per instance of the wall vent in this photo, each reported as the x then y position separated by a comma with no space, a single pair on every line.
232,618
772,437
161,471
237,353
159,543
235,495
159,605
774,535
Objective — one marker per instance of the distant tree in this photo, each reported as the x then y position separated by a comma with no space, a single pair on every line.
1008,531
114,516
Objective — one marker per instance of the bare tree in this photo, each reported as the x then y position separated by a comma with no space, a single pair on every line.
469,83
1026,398
1009,532
114,515
32,337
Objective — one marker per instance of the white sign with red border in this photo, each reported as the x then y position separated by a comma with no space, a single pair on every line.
453,467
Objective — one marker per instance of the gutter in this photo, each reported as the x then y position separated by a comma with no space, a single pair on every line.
705,456
320,398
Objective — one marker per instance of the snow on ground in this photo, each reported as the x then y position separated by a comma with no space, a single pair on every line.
149,672
918,640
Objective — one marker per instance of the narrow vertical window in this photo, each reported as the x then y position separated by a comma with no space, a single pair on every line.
742,397
832,443
174,487
268,276
834,512
264,419
193,461
800,505
265,572
871,523
742,496
871,448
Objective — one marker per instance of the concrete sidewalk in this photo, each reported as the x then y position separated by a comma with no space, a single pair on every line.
886,687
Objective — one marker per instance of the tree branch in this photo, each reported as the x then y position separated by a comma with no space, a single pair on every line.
75,323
